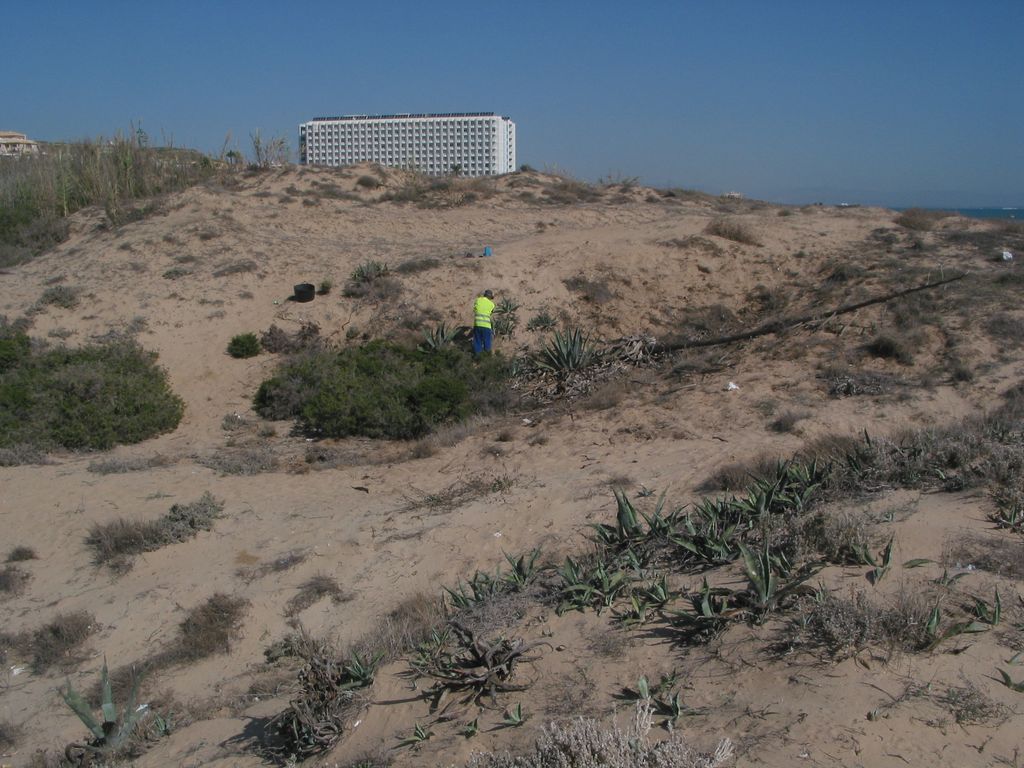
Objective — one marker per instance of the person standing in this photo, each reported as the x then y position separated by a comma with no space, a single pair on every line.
482,309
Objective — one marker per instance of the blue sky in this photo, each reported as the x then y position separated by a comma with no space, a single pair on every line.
896,103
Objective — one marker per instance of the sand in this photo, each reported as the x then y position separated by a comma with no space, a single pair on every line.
242,246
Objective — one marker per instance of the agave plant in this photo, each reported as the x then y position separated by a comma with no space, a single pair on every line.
567,352
765,592
505,318
594,588
879,565
710,613
369,271
439,337
113,731
524,569
627,526
482,587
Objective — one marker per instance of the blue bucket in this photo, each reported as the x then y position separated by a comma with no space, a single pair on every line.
488,251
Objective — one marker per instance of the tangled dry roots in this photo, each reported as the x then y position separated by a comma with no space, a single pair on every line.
314,720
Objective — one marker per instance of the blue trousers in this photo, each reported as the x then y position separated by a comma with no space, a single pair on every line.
482,340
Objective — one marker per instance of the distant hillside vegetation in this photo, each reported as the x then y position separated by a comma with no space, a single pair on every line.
38,193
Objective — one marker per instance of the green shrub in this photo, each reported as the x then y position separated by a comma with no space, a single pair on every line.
14,347
244,345
379,390
89,398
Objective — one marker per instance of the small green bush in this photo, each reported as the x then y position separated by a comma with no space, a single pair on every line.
89,398
60,295
14,347
244,345
380,390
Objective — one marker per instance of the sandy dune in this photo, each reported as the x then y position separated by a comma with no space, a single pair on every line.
218,261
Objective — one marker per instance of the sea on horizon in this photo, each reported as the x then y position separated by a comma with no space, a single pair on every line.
983,213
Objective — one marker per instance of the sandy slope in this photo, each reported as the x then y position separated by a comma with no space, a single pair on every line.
663,431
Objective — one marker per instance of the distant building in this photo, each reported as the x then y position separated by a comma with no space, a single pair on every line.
471,143
15,144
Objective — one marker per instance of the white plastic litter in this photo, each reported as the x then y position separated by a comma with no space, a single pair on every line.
1007,256
142,707
732,386
15,671
497,534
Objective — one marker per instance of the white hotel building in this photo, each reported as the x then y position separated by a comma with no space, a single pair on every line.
479,143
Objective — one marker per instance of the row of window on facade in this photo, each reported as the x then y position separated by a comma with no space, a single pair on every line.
401,132
402,144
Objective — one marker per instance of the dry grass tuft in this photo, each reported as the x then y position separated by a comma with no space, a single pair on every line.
281,563
732,229
10,735
891,347
13,579
594,291
1005,329
236,268
116,466
970,706
114,543
694,242
607,395
995,554
569,191
843,626
920,220
413,266
313,590
458,493
738,475
57,643
21,454
21,553
277,340
404,628
250,460
787,420
846,382
209,628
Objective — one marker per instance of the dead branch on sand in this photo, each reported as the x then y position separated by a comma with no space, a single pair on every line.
780,325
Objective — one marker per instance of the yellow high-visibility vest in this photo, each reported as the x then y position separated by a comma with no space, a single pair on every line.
482,309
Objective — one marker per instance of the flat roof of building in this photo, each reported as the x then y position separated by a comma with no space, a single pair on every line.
403,116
